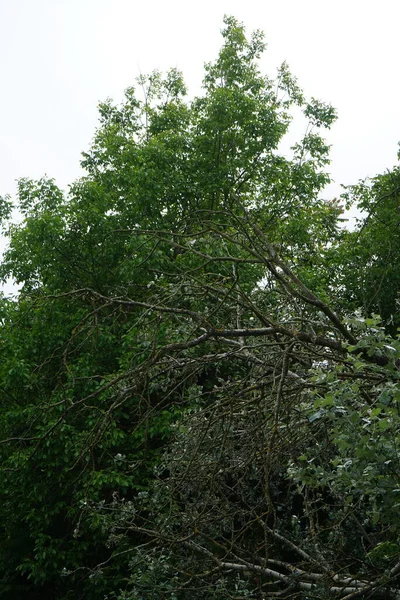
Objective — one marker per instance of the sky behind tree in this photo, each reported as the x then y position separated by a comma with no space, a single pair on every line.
61,57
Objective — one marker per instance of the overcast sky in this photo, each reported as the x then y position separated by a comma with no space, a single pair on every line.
59,58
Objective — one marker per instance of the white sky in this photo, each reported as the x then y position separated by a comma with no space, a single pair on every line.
59,58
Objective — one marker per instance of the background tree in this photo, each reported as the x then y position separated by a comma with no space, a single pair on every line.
371,251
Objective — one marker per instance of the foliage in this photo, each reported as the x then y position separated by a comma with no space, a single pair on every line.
191,405
370,254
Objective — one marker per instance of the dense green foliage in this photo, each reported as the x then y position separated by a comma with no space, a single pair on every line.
372,276
198,397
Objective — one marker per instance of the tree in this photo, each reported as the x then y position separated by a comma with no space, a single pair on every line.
182,380
374,247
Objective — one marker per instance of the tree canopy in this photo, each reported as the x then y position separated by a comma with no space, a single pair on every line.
199,376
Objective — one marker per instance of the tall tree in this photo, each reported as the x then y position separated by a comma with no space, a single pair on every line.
180,392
